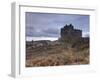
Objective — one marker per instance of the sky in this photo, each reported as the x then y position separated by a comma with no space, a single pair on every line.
49,24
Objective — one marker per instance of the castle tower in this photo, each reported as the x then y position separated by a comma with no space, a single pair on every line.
68,33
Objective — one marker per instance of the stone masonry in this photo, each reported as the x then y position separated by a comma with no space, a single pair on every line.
69,33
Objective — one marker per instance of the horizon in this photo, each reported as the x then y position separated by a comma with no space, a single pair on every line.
46,38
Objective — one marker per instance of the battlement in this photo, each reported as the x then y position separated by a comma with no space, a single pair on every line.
68,32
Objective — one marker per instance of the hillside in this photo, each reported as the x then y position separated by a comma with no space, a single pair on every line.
59,53
69,49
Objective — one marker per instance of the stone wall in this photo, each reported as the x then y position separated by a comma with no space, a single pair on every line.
69,33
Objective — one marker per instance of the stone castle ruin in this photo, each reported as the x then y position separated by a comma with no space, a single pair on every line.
68,33
68,36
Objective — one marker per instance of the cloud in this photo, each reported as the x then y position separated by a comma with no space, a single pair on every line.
44,32
85,34
49,25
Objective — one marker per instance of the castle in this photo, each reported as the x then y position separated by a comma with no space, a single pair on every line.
69,33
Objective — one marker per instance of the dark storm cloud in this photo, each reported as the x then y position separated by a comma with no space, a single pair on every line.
49,25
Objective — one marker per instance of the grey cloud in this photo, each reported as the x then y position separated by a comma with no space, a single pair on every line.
48,32
48,25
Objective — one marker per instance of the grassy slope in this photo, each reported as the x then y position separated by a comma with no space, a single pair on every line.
58,55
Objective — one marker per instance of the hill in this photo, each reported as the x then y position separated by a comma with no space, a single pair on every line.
69,49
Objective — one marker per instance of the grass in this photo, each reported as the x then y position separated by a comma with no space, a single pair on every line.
58,55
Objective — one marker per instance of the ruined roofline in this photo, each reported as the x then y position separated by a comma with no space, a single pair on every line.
68,32
70,26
